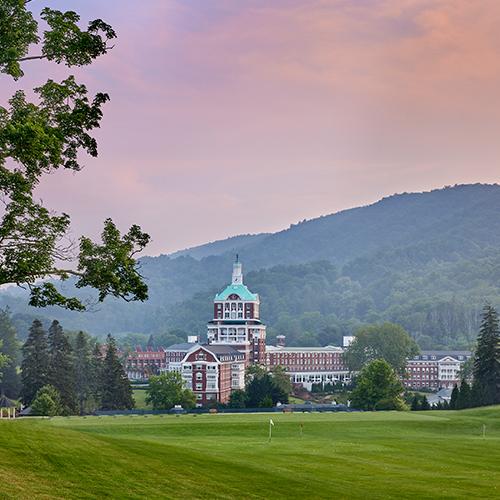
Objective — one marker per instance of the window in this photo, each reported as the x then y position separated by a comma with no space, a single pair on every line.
199,386
199,376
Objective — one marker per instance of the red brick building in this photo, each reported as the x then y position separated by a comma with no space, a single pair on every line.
309,365
210,371
141,364
435,369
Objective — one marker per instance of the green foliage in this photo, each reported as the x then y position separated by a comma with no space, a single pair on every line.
464,399
378,388
86,376
167,390
425,404
264,389
61,373
47,402
425,261
39,137
238,399
9,357
35,363
454,397
4,360
415,403
386,341
116,392
487,360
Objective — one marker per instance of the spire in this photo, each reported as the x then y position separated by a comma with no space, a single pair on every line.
237,272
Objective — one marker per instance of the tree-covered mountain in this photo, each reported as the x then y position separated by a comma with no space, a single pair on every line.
426,260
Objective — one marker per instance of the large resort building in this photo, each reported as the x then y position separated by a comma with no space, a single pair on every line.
236,338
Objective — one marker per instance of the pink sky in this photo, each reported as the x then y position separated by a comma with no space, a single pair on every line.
232,117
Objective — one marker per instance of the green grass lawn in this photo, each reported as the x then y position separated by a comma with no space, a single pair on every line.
344,455
140,399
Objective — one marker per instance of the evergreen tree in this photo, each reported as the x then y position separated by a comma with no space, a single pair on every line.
9,347
464,396
454,398
151,341
47,402
415,403
35,364
83,372
115,386
424,405
487,359
95,376
61,370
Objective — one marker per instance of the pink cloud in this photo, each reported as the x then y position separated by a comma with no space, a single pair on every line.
276,111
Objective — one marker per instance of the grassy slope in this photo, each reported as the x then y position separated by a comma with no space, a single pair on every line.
382,455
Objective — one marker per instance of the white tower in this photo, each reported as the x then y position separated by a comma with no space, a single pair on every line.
237,272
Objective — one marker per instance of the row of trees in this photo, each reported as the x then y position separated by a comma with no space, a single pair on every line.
78,379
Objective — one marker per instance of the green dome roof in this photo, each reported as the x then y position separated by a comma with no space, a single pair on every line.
241,290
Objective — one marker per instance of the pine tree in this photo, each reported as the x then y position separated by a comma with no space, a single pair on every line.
464,396
115,386
82,371
424,405
9,381
34,367
415,403
95,377
61,370
487,360
454,398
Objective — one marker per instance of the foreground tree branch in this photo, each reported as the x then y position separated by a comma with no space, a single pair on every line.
37,138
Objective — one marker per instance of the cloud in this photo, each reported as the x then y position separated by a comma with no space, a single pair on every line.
229,117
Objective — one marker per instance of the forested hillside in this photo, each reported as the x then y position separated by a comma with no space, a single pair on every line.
426,260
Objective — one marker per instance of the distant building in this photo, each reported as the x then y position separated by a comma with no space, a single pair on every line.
141,364
210,371
236,338
309,365
236,320
435,369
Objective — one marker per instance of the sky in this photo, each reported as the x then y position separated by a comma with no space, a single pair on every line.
230,116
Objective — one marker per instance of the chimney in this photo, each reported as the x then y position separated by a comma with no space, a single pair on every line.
347,340
280,340
193,339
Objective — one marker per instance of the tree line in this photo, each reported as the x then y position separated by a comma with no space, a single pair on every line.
60,379
380,353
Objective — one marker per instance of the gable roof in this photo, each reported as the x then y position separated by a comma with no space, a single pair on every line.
185,346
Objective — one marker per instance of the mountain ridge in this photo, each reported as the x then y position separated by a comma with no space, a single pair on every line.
402,258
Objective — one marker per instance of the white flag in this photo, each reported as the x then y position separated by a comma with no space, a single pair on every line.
271,422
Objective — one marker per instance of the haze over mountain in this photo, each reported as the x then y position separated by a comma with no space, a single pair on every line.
426,260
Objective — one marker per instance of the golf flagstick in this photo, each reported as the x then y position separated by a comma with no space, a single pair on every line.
271,425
